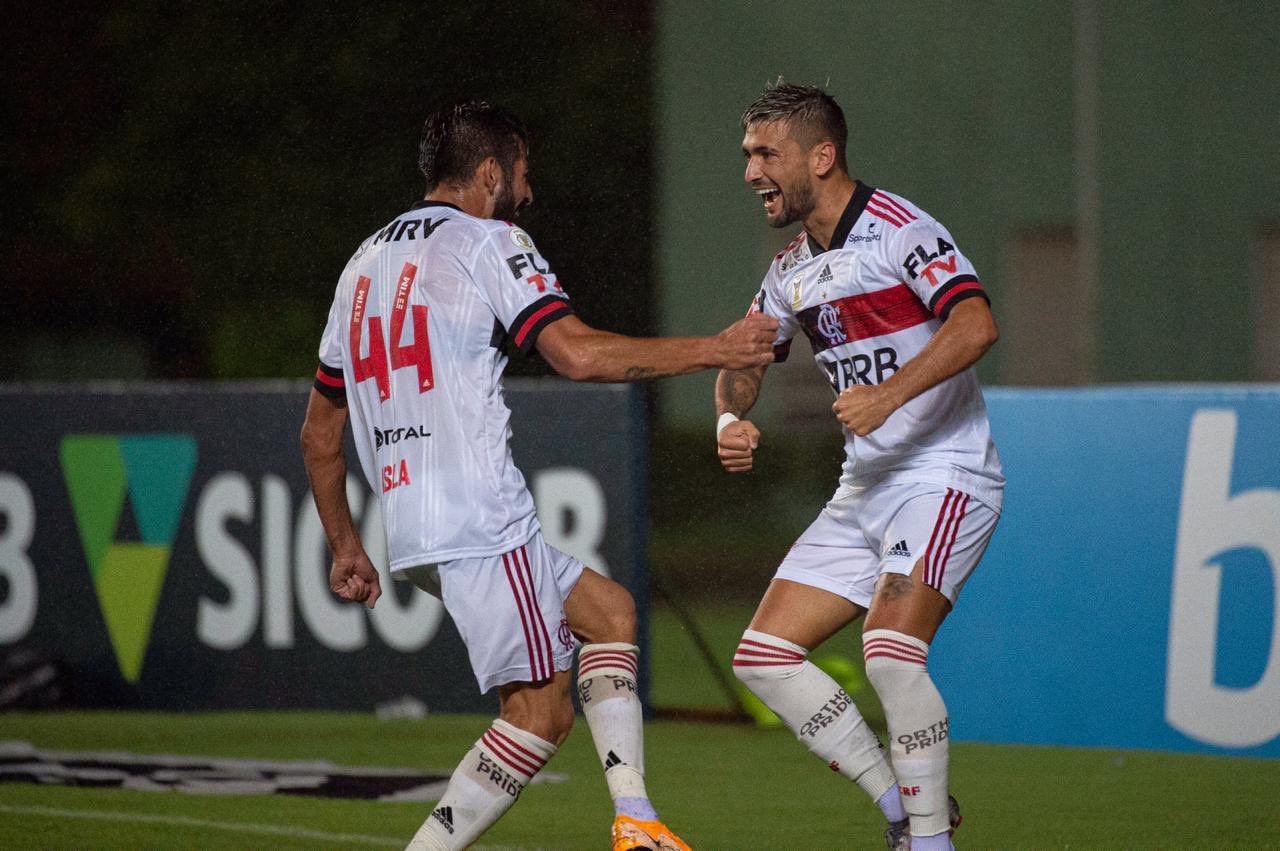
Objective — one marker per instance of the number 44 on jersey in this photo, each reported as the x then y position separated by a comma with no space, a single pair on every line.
417,354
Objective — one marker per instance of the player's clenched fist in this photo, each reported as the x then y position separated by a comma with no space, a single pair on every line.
748,342
355,578
862,408
736,444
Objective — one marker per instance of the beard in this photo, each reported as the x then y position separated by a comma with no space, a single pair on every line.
797,204
505,204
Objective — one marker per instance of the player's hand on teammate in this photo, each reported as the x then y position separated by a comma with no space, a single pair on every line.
862,408
355,578
736,444
748,342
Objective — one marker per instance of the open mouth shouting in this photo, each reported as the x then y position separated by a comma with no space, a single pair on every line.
771,197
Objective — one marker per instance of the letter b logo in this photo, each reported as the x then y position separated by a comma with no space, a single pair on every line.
1211,522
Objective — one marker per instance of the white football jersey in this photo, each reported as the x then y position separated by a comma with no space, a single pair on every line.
868,305
414,341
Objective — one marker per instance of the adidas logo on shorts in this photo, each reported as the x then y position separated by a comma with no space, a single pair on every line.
899,549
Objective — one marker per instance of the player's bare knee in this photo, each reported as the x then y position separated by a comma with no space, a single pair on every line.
614,621
561,723
550,723
621,619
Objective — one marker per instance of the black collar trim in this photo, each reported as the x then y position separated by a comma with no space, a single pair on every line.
852,212
418,205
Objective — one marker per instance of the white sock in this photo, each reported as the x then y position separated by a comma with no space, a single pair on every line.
611,704
919,730
816,709
484,786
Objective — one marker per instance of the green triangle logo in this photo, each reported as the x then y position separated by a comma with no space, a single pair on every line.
154,472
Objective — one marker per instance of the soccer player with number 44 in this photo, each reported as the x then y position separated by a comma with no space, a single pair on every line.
413,348
896,318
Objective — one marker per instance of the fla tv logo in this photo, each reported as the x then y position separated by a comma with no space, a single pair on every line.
151,473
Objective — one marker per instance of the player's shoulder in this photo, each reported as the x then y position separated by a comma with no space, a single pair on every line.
896,210
508,236
792,254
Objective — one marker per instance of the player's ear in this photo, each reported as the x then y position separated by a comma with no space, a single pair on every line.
822,158
490,174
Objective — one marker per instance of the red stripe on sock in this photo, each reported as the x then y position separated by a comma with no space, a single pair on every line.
744,663
511,754
583,670
746,644
885,654
611,655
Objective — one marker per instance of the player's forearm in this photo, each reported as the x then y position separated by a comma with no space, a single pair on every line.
327,471
607,357
958,345
737,390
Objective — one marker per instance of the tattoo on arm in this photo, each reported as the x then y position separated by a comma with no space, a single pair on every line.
741,388
638,373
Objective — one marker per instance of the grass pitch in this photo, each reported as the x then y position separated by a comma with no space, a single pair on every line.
720,786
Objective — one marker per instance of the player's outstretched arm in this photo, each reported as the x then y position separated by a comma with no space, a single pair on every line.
582,353
353,576
737,439
969,331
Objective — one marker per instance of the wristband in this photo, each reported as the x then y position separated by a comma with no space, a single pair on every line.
724,420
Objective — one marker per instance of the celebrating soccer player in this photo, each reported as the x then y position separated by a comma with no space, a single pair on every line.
414,338
896,318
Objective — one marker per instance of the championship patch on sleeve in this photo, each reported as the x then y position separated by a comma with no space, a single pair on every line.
329,382
521,239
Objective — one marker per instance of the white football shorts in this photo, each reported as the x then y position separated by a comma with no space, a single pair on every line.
890,528
509,610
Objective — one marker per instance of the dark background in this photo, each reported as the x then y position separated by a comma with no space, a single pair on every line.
184,184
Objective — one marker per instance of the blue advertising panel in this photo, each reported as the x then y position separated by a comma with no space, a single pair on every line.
1130,595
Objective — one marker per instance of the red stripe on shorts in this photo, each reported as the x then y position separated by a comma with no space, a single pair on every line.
933,538
542,639
955,533
524,618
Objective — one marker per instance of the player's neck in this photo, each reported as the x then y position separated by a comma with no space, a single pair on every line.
833,197
471,199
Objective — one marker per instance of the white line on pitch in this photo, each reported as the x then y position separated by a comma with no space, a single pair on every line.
235,827
184,821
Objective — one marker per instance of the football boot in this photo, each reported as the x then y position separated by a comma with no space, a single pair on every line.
630,833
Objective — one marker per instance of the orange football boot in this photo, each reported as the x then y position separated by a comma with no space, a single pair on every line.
630,833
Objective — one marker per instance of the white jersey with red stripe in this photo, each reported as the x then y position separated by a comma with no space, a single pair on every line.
414,341
868,305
